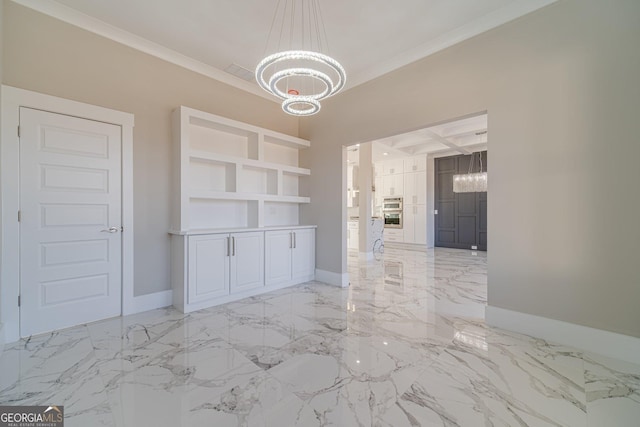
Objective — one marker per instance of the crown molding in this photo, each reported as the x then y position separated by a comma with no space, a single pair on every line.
487,22
101,28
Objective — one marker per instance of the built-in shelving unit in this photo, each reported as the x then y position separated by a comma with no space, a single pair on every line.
232,174
235,218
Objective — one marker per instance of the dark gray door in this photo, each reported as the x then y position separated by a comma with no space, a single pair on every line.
461,221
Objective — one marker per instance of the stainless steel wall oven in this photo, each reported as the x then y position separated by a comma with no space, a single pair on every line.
392,212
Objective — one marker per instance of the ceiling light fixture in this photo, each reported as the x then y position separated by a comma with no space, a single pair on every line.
302,75
471,182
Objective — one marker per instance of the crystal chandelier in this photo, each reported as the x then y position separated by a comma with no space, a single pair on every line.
298,73
471,182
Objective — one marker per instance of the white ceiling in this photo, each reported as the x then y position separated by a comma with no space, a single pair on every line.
458,137
369,37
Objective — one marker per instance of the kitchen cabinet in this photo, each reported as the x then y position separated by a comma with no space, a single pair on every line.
393,167
220,264
415,224
289,256
393,185
415,188
415,164
393,235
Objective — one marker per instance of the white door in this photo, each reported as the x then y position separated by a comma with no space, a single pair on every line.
208,267
277,256
70,207
304,254
247,261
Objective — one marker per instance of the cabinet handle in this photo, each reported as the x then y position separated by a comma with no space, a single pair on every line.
234,246
228,246
291,240
295,243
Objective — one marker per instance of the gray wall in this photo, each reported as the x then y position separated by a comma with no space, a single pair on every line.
561,90
46,55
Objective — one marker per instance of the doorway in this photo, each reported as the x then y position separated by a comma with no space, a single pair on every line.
66,174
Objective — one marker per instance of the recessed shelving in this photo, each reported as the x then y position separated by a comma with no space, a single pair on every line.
233,174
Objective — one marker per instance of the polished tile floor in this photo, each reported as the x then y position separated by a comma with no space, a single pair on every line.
405,345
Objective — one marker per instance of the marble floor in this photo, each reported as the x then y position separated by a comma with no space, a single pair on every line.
404,345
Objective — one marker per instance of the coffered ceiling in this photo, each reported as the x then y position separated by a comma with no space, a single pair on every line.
457,137
369,37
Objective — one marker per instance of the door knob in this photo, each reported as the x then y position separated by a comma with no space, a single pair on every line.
110,230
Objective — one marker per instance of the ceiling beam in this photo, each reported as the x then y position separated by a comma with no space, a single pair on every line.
446,142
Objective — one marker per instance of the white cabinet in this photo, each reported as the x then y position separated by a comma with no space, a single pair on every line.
415,224
289,256
220,264
215,268
247,261
415,188
208,274
231,181
393,235
393,185
415,164
392,167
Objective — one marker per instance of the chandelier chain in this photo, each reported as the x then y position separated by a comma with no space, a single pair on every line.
302,74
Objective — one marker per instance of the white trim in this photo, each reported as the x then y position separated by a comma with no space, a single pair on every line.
610,344
331,278
492,20
12,99
101,28
148,302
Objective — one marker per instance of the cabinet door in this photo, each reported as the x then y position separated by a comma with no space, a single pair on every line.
388,182
247,261
415,164
408,223
393,235
277,255
304,253
420,225
398,184
420,188
392,167
410,196
208,274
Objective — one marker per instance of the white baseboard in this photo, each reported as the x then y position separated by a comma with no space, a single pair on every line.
331,278
610,344
150,302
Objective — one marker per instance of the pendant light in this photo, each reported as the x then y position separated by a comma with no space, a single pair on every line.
300,72
471,182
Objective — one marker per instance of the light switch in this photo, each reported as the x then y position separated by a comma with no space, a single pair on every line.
435,212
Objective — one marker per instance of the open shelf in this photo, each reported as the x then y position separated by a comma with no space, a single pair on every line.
232,174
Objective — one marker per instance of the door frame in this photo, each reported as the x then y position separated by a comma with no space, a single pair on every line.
11,100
